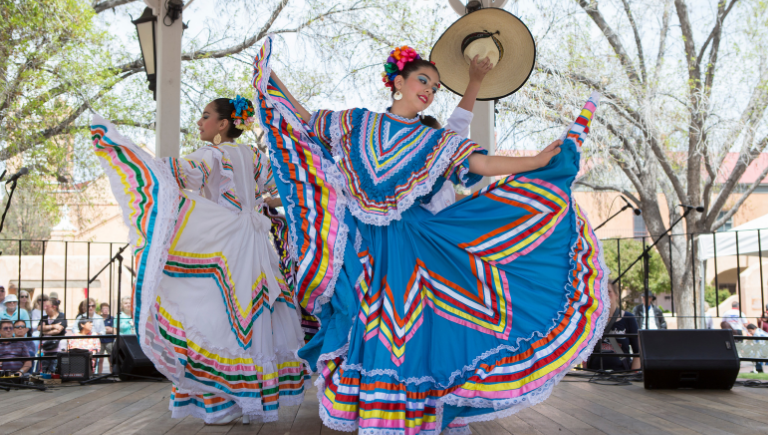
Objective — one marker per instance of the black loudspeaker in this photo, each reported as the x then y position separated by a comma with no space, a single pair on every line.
74,365
689,358
132,360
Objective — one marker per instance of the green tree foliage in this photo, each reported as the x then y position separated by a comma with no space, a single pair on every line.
709,295
632,283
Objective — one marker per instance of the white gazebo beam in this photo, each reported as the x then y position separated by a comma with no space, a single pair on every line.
482,131
168,55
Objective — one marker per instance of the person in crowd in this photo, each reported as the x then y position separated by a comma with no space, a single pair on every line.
87,309
20,329
109,328
762,322
620,322
12,311
754,331
12,349
125,318
2,294
25,301
736,319
708,323
84,329
655,315
52,324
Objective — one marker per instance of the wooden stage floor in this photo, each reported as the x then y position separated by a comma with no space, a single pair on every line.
576,407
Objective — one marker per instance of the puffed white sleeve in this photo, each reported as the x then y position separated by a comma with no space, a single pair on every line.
459,122
193,170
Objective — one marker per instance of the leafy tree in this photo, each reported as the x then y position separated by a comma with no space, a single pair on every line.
683,84
632,283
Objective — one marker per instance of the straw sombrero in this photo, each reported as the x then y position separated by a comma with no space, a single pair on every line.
489,32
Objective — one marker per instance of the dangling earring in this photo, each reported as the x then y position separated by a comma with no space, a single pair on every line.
398,95
217,139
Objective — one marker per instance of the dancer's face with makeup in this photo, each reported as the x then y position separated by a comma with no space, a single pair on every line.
418,90
210,124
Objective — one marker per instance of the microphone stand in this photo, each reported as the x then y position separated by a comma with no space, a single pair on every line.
612,216
645,256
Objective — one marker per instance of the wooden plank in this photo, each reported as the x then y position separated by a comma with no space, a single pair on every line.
136,423
640,411
242,429
491,427
55,419
514,425
37,416
541,422
286,416
108,421
589,418
307,419
682,405
724,411
653,401
92,415
573,424
187,426
19,410
585,401
37,397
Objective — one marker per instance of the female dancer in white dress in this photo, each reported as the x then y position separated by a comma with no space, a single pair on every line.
213,310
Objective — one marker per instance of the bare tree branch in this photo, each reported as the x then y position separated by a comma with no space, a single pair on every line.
109,4
591,9
662,39
247,43
638,41
601,188
716,30
719,222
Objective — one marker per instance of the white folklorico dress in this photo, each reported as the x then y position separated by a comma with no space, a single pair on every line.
215,314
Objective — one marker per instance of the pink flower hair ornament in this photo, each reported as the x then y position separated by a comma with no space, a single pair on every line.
396,62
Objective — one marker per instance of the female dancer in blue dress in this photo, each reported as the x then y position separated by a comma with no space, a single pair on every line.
430,321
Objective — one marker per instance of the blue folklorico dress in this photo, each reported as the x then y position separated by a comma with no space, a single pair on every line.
214,302
430,321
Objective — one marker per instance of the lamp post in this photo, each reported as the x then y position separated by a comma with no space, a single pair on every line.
145,28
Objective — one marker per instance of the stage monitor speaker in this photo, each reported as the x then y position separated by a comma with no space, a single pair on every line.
132,360
689,358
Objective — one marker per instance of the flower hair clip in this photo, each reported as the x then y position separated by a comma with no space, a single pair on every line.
396,61
243,115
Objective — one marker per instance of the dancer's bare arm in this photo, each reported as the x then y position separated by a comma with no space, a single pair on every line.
492,166
302,111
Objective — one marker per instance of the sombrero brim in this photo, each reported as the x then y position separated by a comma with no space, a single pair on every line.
505,78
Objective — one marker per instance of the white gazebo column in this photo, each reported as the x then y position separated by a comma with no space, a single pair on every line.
481,131
168,49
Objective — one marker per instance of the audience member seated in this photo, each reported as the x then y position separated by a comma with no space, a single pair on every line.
736,319
620,322
88,306
12,311
20,330
93,345
12,349
53,324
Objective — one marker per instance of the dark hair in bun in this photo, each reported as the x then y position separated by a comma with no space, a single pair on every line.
225,109
430,121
